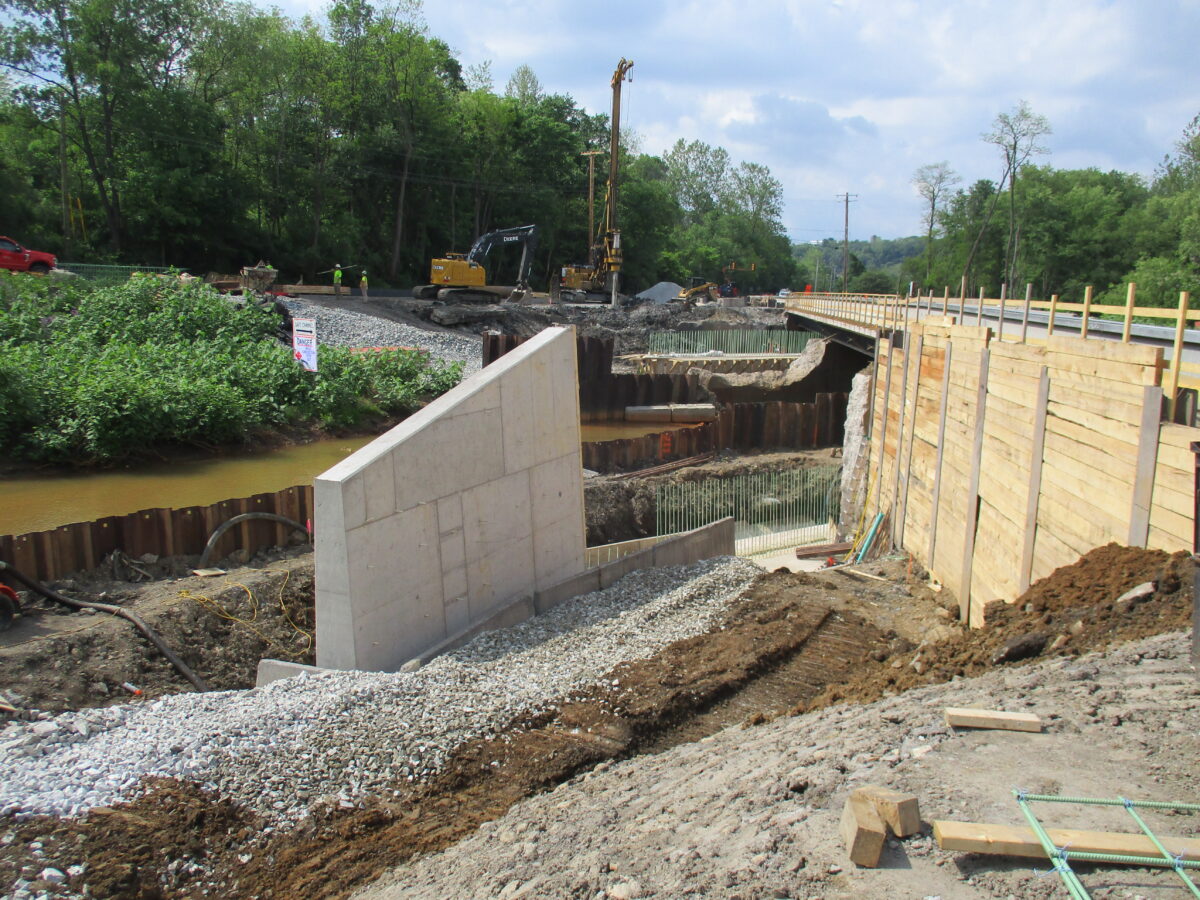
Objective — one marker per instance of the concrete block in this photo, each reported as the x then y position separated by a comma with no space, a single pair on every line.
499,576
558,551
354,502
453,550
277,669
329,543
577,585
497,513
335,629
456,607
483,397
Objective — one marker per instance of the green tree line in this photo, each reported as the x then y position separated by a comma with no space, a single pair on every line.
1061,229
208,134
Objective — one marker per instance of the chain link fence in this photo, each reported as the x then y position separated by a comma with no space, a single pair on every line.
105,275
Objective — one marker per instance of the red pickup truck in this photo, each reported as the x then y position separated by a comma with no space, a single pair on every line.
16,258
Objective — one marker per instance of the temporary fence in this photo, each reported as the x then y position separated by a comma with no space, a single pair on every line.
105,275
732,340
771,510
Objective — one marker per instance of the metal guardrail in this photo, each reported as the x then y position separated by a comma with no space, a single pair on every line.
771,510
106,275
757,341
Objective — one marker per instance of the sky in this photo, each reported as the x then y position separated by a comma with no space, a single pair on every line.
854,95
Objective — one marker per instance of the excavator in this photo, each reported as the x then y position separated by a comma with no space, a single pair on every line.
462,276
596,280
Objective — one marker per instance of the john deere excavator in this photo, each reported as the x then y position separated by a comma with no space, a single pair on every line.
462,276
597,280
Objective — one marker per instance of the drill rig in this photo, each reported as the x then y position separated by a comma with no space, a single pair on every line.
596,281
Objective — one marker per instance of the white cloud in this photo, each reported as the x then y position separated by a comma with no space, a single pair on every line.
855,94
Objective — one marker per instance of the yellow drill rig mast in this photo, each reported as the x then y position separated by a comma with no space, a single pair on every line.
600,275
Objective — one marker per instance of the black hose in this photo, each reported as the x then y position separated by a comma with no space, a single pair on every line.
225,526
112,609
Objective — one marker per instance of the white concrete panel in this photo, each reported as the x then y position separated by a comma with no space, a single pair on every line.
516,392
379,488
497,513
556,490
450,514
459,452
429,530
496,579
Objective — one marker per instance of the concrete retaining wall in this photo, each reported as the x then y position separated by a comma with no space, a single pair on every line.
447,519
706,542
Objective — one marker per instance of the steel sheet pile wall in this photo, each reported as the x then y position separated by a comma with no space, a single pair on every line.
51,554
1000,462
739,426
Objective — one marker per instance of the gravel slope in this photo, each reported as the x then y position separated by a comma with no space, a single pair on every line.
346,328
753,813
346,734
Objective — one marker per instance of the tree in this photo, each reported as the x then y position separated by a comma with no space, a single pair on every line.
697,173
932,182
524,87
1017,135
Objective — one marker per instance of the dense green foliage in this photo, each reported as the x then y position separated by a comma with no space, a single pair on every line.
208,134
98,375
1064,229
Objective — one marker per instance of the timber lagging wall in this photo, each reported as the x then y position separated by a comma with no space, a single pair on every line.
999,462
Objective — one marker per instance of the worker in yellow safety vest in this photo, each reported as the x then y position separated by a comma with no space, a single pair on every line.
337,280
362,284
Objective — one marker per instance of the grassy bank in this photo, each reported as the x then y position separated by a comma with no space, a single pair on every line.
95,375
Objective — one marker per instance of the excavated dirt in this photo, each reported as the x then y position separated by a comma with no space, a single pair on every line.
1074,610
56,659
795,642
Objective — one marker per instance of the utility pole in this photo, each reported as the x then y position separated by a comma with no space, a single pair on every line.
846,198
591,248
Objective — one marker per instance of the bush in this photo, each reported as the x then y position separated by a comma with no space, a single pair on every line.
104,374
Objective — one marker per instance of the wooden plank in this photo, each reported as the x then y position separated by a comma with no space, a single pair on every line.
1120,372
862,830
1073,431
1172,523
1105,406
1174,442
1113,351
1109,495
899,811
1018,840
972,497
961,717
1120,431
902,516
1143,483
1080,525
1163,540
1049,554
1036,454
1178,502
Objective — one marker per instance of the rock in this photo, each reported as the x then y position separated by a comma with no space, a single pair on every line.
148,558
53,876
1022,647
411,666
1059,642
625,890
1134,596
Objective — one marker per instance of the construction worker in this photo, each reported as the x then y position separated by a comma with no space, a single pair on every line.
362,284
337,280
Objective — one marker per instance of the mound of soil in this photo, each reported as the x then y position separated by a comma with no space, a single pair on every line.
56,659
1073,610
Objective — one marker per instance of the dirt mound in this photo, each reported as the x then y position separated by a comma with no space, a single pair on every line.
56,659
769,652
148,849
1074,610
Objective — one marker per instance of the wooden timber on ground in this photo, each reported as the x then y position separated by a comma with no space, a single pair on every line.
958,717
816,551
863,830
1016,840
899,811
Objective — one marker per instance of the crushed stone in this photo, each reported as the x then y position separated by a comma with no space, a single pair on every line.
340,736
343,327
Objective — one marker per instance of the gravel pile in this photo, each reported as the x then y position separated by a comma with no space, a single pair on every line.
345,328
346,734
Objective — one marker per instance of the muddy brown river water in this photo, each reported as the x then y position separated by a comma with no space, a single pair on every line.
41,502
